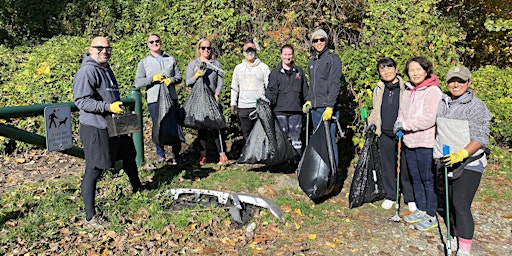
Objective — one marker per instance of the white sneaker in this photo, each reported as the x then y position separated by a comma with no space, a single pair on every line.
387,204
463,253
412,206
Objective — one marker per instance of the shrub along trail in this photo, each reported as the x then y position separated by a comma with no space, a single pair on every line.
329,228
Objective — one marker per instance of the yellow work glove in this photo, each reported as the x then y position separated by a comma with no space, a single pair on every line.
158,78
116,107
306,106
199,73
217,98
327,115
454,158
167,81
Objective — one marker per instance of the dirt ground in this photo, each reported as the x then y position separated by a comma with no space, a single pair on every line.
380,236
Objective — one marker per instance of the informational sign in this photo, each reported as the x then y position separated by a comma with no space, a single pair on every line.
58,127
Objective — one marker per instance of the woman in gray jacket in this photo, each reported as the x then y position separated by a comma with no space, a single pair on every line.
213,77
463,125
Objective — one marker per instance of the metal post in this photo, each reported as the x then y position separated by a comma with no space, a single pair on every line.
137,136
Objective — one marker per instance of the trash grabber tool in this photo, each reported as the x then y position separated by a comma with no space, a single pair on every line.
396,217
446,151
308,109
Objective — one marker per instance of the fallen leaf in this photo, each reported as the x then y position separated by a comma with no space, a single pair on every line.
297,226
260,239
286,208
312,236
508,216
298,211
20,160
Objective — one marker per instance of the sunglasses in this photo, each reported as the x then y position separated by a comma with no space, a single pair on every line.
250,51
154,41
457,80
205,48
319,39
101,48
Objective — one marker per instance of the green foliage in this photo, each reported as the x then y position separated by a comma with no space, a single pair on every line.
494,86
400,30
487,25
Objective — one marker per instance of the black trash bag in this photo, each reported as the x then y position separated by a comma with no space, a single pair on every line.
201,109
266,144
367,184
317,172
166,126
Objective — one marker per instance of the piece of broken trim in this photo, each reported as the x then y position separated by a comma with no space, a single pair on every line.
223,198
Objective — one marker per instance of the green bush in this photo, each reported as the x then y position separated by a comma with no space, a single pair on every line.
494,86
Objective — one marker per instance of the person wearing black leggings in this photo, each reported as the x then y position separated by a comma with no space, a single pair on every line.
463,125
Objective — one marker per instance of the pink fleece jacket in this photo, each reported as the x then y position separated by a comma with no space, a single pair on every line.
418,111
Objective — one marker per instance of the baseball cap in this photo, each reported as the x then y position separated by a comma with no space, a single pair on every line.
460,72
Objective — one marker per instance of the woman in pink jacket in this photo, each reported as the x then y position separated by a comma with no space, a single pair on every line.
417,119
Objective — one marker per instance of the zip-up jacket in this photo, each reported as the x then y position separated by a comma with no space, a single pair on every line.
94,89
287,89
150,66
249,83
418,110
325,72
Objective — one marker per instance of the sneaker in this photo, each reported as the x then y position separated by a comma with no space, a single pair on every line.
223,160
454,245
463,253
387,204
412,206
427,223
414,217
202,161
95,223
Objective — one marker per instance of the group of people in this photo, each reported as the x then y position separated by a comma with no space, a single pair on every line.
428,118
429,121
96,94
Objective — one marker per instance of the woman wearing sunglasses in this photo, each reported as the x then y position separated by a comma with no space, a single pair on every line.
205,66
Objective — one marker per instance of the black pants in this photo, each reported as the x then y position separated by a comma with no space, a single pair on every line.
203,134
101,152
246,123
461,194
388,158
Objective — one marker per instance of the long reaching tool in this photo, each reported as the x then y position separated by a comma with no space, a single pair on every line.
446,151
396,217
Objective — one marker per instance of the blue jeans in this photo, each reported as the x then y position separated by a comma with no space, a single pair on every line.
419,161
316,117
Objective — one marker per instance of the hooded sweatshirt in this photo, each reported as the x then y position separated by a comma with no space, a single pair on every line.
418,110
94,89
249,83
461,121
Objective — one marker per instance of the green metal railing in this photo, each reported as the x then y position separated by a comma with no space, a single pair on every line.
134,100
